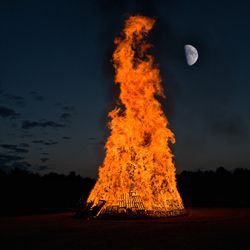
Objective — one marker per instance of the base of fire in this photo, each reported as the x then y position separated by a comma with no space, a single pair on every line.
131,206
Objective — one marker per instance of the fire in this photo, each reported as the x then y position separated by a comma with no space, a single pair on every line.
138,172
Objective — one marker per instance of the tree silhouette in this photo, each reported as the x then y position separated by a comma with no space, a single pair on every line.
23,192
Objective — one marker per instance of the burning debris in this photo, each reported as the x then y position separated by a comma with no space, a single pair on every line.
137,177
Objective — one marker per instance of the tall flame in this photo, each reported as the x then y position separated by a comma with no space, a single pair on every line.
138,158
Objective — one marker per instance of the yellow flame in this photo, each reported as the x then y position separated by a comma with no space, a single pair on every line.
138,157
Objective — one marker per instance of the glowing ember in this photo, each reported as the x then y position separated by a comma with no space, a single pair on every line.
138,173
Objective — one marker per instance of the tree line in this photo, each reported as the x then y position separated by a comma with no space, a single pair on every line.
23,192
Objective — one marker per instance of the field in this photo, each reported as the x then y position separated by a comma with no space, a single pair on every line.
200,229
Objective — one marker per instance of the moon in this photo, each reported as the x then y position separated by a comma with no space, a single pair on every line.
191,54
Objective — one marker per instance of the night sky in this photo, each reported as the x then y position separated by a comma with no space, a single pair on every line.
56,81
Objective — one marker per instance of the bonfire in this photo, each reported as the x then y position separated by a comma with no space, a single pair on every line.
137,177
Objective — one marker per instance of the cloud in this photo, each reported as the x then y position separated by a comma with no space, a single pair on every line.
69,108
65,116
14,148
18,100
21,165
229,128
44,159
44,153
26,136
38,141
24,145
7,112
7,158
45,143
65,137
33,124
49,143
42,167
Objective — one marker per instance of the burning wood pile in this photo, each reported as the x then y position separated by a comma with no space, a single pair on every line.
131,206
137,176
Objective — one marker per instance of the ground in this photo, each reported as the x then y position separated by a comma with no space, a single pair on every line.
200,229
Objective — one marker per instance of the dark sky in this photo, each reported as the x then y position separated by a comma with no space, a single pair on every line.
56,81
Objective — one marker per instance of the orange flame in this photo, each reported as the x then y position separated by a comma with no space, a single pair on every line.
138,158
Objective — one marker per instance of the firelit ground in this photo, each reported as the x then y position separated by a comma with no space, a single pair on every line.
201,229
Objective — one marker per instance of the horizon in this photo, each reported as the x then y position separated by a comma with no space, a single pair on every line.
199,170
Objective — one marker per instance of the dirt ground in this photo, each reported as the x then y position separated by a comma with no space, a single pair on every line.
200,229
